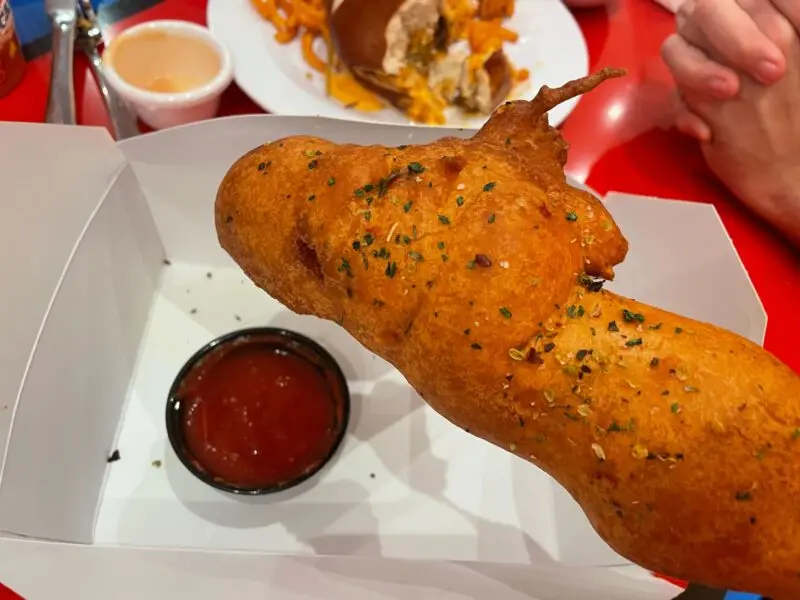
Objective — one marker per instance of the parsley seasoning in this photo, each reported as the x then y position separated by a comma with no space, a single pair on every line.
549,347
476,346
369,187
383,184
415,167
368,239
382,253
440,245
471,265
332,181
796,434
444,220
312,197
675,408
678,330
415,256
634,342
575,312
630,317
367,215
491,219
655,362
444,257
345,267
655,327
489,186
505,312
581,354
612,326
359,193
744,496
508,141
312,165
414,231
460,201
406,240
262,166
466,332
356,245
391,269
590,283
407,206
571,216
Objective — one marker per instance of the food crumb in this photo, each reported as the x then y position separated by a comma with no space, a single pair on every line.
167,262
372,475
193,311
114,457
156,464
237,317
208,274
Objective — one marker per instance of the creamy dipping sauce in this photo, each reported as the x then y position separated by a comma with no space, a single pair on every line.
164,61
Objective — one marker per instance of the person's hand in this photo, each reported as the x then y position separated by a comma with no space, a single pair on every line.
754,140
718,39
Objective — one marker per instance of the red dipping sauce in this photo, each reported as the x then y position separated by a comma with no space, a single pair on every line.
260,411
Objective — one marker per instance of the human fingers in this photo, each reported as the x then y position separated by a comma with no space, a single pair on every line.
791,10
726,31
693,69
775,20
692,125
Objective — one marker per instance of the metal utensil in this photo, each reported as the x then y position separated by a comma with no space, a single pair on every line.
61,99
89,38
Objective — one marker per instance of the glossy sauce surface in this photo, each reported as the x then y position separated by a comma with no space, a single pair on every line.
254,415
164,61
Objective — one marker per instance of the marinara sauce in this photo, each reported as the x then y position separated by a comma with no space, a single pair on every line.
258,414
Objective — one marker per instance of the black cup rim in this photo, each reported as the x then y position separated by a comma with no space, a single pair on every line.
175,429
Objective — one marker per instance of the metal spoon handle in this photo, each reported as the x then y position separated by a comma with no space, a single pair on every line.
61,100
123,122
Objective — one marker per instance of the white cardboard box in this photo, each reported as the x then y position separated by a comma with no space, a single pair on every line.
96,326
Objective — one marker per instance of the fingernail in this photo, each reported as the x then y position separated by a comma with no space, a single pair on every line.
721,86
769,70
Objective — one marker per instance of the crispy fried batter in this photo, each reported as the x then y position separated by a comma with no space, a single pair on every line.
467,264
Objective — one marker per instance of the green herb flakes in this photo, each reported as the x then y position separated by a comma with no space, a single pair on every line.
332,181
367,215
471,264
444,220
460,201
356,245
634,342
440,245
655,327
549,347
630,317
345,267
312,197
678,330
312,165
655,362
491,218
359,193
382,253
675,408
744,496
369,187
415,167
444,257
489,186
612,326
407,206
368,239
796,434
505,312
391,269
571,216
415,256
476,346
575,312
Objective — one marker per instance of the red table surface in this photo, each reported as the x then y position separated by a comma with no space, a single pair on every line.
619,135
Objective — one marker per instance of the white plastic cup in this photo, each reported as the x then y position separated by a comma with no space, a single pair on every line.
158,109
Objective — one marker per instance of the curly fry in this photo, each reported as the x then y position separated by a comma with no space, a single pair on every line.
314,61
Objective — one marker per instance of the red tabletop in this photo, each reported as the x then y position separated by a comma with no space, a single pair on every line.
619,135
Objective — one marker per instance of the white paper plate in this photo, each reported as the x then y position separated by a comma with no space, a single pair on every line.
551,46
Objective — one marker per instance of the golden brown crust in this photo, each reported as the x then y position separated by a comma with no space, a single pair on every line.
678,439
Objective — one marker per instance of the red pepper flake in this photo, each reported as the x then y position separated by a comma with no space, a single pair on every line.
483,261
